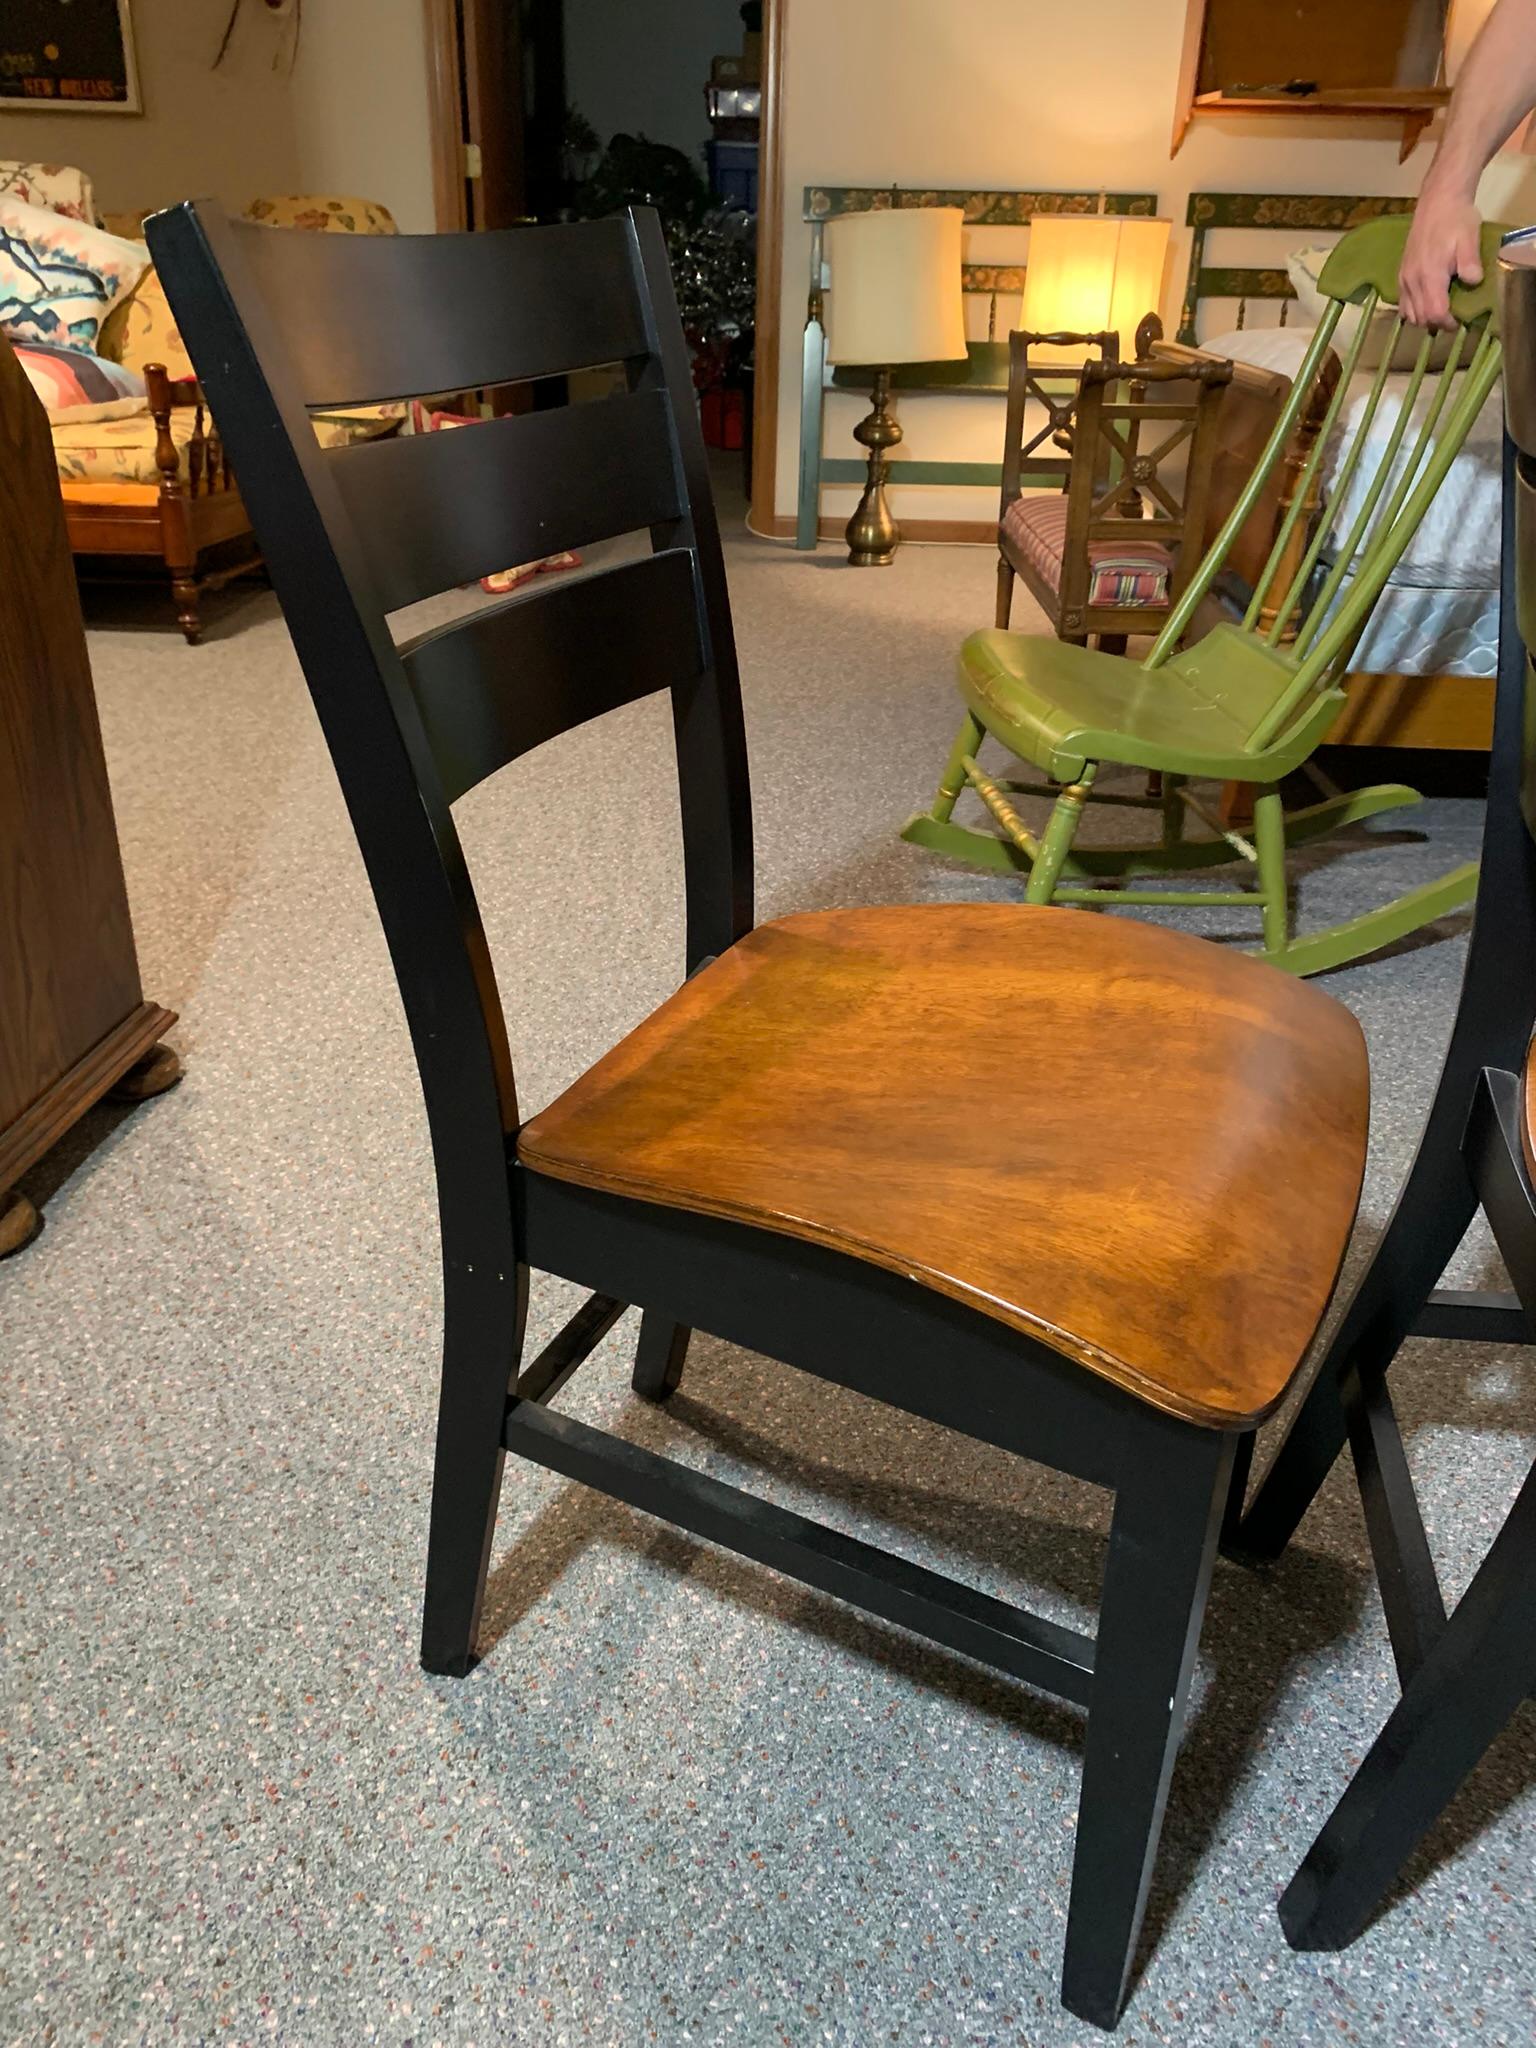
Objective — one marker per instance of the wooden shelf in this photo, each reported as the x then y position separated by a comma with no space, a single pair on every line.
1415,109
1411,106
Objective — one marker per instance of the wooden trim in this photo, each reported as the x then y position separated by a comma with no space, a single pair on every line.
1189,73
40,1127
770,267
1439,711
444,115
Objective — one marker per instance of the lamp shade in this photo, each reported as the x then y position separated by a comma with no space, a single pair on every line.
1089,273
896,286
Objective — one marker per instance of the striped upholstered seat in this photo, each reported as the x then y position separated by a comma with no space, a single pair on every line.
1123,572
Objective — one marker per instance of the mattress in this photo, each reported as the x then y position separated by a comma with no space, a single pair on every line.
1419,630
1440,611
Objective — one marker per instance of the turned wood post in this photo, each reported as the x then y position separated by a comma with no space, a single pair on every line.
175,493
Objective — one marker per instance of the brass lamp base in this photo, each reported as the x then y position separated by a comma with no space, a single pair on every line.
872,532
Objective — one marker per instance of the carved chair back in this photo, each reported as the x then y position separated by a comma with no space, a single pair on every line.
1052,388
1125,489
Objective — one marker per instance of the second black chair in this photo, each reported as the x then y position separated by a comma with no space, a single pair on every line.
1462,1676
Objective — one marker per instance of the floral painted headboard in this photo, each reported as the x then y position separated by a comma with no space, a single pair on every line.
1294,213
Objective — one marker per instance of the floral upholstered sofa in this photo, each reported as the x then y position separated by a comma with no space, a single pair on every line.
142,471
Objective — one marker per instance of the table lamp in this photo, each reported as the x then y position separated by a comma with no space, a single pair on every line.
1092,273
895,298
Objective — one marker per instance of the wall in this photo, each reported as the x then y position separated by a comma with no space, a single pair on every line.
350,117
641,66
225,134
360,106
999,93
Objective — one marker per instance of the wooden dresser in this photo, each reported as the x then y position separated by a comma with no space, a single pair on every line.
73,1020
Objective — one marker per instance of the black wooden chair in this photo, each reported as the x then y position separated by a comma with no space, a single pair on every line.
1462,1676
786,1153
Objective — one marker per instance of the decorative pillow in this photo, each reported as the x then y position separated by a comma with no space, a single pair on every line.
1305,267
324,215
421,420
142,329
78,387
58,187
59,278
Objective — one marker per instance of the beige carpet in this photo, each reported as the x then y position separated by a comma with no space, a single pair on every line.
681,1801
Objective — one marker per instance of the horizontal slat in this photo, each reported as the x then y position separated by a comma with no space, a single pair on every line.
504,680
1059,1660
1474,1316
369,317
570,1347
437,509
1226,282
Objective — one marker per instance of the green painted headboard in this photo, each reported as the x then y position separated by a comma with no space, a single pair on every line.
1285,211
985,368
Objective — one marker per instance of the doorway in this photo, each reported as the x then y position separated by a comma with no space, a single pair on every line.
546,110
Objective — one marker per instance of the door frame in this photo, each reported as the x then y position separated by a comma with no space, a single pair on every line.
446,103
445,115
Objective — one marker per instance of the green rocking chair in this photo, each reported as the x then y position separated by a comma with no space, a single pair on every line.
1247,702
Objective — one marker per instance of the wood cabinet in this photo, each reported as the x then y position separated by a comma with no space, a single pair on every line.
73,1019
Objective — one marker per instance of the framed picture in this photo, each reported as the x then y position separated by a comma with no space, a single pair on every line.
68,57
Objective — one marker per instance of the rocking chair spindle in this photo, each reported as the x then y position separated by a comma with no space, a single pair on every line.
1251,700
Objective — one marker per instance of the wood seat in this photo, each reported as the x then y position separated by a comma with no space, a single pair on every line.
969,1095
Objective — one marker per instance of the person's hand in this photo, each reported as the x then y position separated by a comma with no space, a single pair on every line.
1442,244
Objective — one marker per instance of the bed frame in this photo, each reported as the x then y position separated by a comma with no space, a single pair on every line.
1384,710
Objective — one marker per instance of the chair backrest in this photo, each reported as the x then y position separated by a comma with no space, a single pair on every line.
1318,608
1112,457
284,324
1051,387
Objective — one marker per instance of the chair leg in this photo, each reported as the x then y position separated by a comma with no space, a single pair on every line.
1004,593
972,733
1168,789
188,612
1430,1220
1112,643
1162,1546
659,1355
1458,1700
484,1317
1057,843
1274,888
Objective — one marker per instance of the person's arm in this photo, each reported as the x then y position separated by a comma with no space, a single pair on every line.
1496,88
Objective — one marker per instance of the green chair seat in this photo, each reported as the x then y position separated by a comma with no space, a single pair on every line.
1060,706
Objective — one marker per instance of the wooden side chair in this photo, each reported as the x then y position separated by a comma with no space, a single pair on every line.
1246,702
1052,390
1088,556
1462,1676
774,1155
